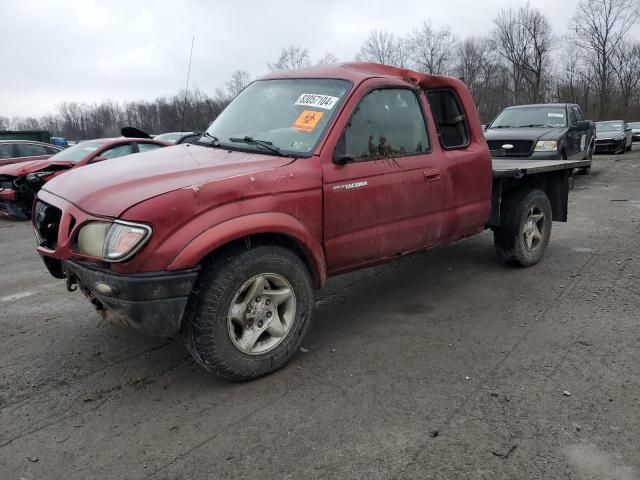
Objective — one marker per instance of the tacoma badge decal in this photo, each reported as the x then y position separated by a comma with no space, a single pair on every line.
349,186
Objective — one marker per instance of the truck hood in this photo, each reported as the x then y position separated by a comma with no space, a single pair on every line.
532,134
23,168
110,187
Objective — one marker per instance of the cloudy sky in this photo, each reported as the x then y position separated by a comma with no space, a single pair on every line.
86,51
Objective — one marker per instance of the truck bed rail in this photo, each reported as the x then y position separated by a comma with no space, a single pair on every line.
512,168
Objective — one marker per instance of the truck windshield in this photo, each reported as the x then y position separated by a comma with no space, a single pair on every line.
609,127
290,115
530,117
77,152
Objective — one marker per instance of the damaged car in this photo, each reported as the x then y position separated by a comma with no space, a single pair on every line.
20,182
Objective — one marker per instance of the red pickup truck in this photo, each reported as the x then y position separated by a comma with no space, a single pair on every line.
306,174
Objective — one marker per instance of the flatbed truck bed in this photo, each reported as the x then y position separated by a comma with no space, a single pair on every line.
514,168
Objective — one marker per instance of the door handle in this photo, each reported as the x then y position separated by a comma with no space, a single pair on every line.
431,175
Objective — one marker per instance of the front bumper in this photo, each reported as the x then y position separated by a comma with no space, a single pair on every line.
152,303
610,145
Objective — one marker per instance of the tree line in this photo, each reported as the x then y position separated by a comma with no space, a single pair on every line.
595,63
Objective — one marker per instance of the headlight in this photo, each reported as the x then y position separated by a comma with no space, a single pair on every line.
546,146
112,242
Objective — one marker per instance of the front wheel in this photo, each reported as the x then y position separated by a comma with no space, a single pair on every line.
250,312
525,228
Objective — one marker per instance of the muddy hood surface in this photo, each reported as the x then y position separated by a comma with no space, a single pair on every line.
110,187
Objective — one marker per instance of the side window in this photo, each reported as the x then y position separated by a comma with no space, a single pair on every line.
449,117
6,150
578,113
31,150
573,121
147,147
118,151
387,123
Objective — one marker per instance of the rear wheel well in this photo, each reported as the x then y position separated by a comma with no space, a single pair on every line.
554,184
251,241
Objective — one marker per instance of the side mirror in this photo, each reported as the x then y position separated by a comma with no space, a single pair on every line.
97,159
627,128
342,159
583,125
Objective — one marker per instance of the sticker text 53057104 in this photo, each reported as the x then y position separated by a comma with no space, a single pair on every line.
320,101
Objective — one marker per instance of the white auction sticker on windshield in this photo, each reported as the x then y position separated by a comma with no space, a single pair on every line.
321,101
556,115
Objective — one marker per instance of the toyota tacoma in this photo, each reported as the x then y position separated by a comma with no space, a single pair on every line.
305,175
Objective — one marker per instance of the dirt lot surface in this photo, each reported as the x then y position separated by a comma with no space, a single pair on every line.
444,365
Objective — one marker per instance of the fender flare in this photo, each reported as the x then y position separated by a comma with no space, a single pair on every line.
258,223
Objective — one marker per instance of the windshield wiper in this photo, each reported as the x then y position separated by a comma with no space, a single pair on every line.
262,143
215,142
536,125
502,126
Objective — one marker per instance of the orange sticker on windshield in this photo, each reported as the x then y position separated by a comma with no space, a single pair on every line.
307,120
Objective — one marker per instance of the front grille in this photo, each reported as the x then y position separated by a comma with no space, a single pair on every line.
46,222
521,148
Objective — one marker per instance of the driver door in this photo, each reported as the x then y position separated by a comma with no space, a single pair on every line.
388,198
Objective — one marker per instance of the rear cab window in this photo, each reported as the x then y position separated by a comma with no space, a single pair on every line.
449,117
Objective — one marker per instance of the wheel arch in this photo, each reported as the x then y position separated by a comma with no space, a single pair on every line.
554,184
251,230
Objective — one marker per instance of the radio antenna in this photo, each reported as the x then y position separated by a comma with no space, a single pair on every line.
186,88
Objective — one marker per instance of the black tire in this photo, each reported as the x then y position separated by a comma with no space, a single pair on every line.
509,238
209,339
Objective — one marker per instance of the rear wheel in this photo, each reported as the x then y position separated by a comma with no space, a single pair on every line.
250,312
525,228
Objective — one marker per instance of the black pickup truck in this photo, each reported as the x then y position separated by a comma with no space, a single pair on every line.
555,131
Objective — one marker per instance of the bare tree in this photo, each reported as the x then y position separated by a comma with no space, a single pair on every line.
291,58
432,49
5,123
471,57
626,65
239,80
327,59
383,47
598,27
524,39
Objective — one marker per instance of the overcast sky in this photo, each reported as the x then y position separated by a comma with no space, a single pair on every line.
88,51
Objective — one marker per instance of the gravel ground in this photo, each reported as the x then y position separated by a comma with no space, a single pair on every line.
444,365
